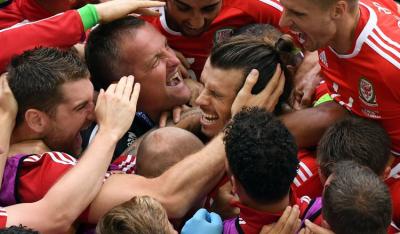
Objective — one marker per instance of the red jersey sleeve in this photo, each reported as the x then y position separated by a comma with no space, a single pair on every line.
307,181
3,218
38,173
62,30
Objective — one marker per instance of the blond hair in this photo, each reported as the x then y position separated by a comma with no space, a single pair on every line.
140,215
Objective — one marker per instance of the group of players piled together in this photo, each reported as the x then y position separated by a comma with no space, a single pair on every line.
212,116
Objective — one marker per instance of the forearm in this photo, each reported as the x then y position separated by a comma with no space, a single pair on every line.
7,124
81,184
62,30
177,189
193,178
308,125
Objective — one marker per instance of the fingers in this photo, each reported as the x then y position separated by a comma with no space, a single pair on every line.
183,59
201,214
128,87
163,119
251,80
100,99
120,88
135,94
316,229
293,222
176,114
266,229
215,218
274,82
148,12
307,97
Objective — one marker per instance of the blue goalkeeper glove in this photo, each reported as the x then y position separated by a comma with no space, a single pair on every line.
203,222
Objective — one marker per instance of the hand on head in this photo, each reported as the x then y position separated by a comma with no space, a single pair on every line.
112,10
116,107
267,98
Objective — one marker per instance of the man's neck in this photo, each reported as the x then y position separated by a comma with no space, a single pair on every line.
154,116
275,207
24,141
343,41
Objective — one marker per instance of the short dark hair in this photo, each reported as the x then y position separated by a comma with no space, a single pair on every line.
357,139
262,154
356,201
35,77
18,230
102,49
247,52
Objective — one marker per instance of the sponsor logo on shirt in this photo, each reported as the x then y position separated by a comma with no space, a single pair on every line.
367,92
222,34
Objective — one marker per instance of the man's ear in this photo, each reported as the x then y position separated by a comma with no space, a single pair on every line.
339,9
37,120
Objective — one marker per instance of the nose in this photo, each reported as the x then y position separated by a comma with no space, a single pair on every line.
285,21
202,99
197,21
172,61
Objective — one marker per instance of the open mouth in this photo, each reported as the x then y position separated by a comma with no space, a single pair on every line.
175,79
301,36
209,118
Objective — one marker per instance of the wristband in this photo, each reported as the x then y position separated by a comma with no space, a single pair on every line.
89,15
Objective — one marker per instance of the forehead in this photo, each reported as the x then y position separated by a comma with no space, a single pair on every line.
221,79
300,5
145,44
77,91
196,3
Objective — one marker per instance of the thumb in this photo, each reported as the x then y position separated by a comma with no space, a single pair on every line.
201,214
266,229
215,219
251,80
315,228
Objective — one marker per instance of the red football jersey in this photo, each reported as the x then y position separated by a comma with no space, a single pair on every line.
21,11
366,80
41,33
38,173
307,181
233,14
3,217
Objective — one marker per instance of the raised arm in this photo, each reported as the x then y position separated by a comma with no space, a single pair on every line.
66,29
115,110
8,112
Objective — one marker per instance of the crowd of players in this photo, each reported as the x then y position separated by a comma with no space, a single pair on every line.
213,116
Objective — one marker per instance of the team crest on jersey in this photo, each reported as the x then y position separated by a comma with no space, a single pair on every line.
367,92
222,34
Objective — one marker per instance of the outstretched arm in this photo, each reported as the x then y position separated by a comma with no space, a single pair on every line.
191,179
66,29
115,110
